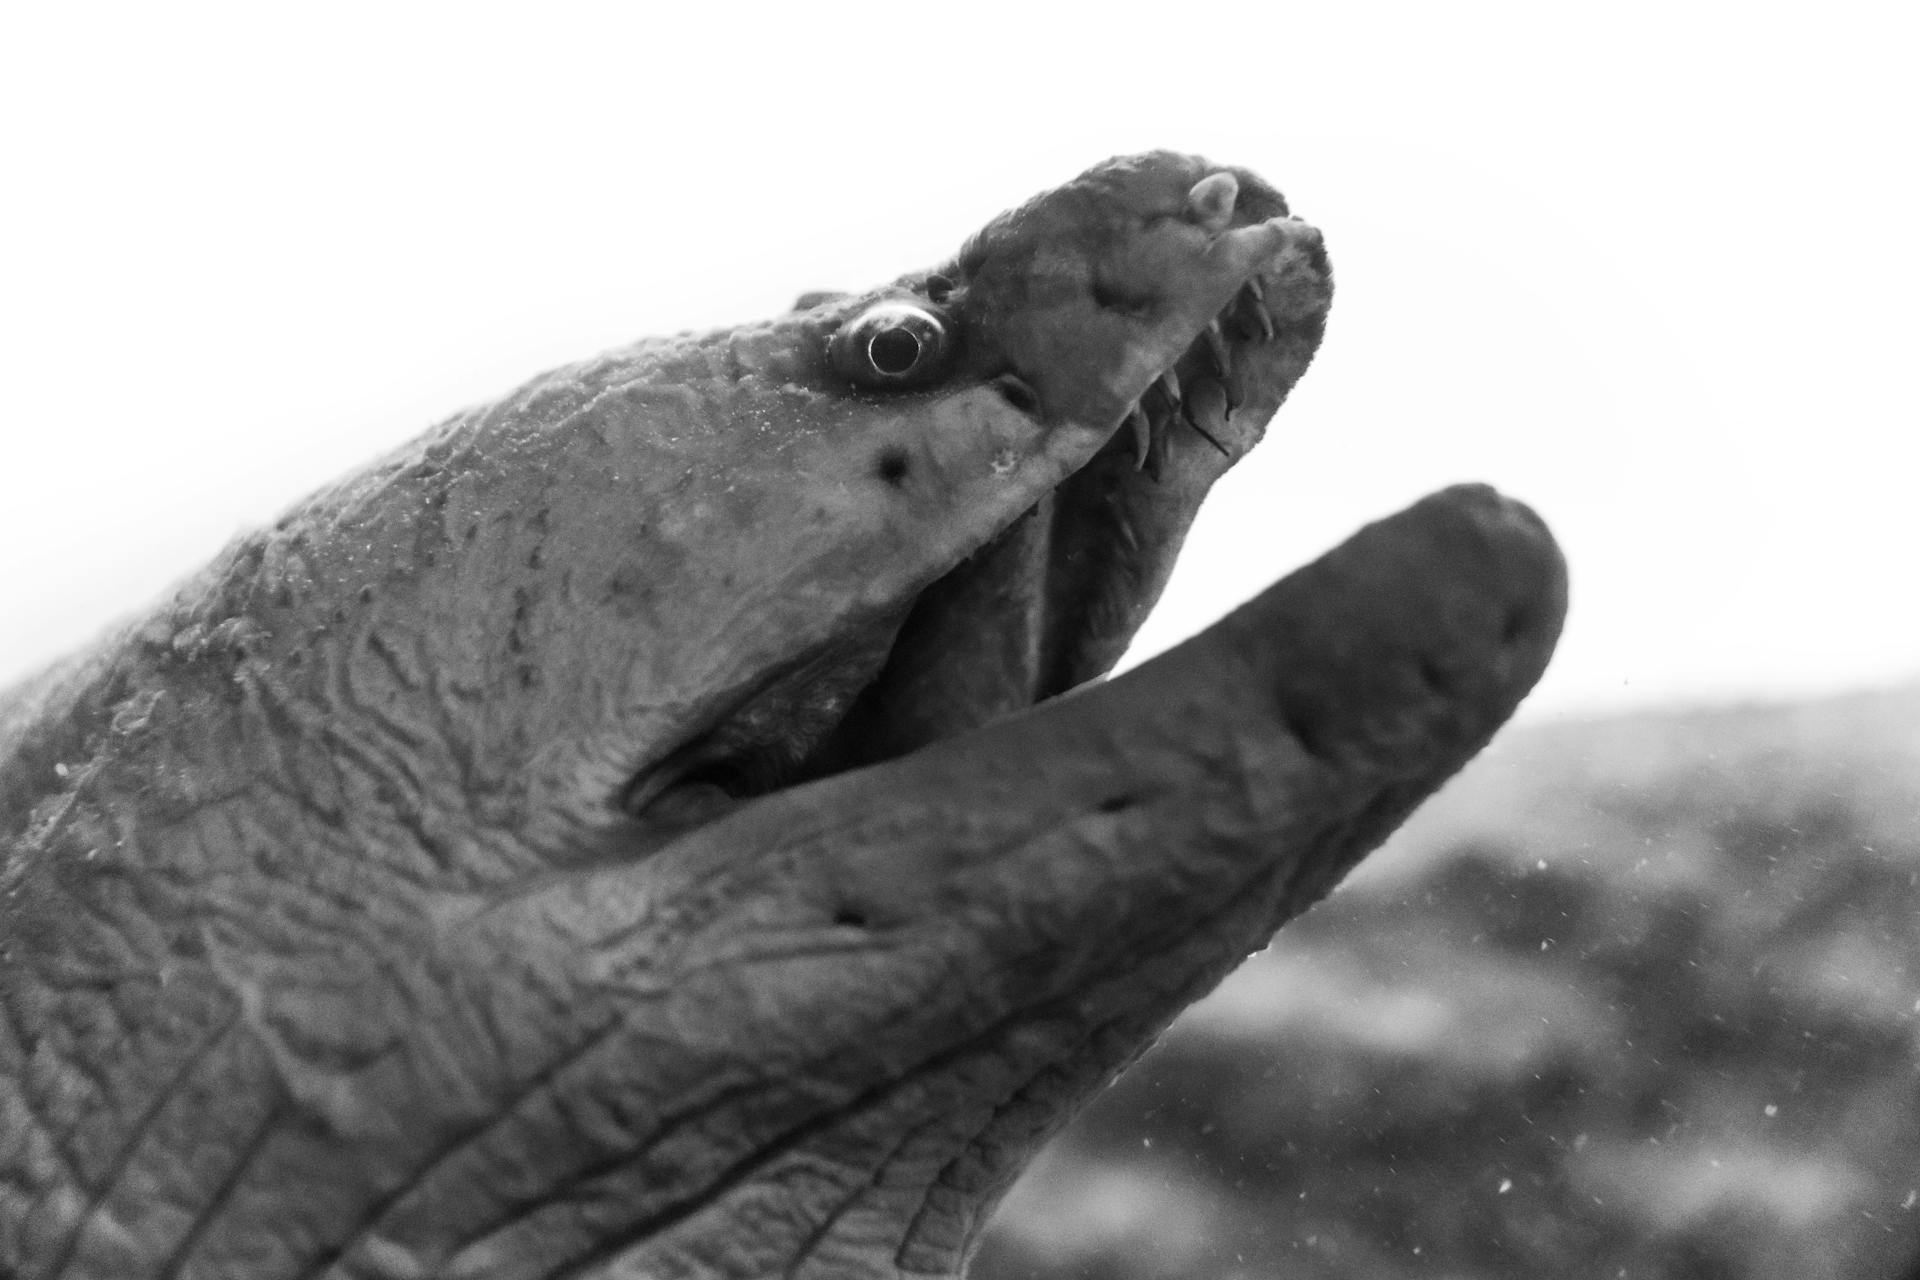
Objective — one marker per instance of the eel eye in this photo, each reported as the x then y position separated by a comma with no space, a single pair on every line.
891,344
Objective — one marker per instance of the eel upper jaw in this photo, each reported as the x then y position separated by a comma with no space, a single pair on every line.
1050,601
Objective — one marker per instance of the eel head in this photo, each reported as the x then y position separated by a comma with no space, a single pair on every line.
1023,434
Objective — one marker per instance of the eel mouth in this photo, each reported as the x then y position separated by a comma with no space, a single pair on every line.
1051,601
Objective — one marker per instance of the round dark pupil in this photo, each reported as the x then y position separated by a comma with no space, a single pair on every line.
894,350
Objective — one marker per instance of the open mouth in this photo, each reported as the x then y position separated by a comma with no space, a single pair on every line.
1048,603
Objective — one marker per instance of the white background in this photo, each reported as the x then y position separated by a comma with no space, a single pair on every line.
1650,267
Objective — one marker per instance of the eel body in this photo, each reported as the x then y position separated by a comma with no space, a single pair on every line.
636,828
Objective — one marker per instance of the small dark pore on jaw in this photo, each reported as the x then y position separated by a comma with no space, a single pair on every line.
891,465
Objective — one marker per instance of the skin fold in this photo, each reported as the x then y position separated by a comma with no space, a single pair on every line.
635,830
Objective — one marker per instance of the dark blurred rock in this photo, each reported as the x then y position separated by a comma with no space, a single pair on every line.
1634,998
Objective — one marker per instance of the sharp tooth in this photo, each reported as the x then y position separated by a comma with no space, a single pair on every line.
1142,434
1207,403
1217,346
1253,303
1265,322
1205,434
1170,384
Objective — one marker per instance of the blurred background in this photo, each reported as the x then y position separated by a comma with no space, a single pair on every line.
1636,996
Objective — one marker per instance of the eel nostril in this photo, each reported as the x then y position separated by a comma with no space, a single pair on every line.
1303,232
1210,202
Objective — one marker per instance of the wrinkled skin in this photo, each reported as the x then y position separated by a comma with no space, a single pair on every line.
614,835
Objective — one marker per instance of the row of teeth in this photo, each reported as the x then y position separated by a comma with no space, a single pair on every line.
1249,315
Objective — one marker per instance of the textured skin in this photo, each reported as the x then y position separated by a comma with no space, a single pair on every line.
333,941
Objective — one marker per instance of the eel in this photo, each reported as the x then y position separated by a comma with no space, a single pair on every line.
669,822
